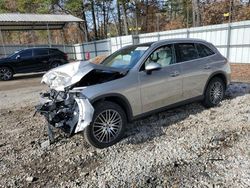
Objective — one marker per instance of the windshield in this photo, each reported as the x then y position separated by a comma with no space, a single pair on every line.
14,54
125,58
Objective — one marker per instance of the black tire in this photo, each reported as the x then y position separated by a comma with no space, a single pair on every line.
101,136
54,64
214,93
6,73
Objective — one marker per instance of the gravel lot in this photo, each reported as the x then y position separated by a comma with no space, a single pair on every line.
188,146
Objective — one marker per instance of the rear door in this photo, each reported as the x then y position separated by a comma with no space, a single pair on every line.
195,66
163,87
41,58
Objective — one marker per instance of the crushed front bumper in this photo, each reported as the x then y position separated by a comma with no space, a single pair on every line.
71,112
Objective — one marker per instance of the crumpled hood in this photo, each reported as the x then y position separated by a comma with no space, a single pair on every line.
61,77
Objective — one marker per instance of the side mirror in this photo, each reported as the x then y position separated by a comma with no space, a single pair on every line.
152,66
18,57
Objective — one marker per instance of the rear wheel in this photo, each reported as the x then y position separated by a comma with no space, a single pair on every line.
6,73
215,92
108,125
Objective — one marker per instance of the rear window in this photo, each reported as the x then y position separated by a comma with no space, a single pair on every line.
203,50
186,52
39,52
54,51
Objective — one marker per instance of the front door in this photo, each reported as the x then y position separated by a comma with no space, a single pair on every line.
162,87
24,61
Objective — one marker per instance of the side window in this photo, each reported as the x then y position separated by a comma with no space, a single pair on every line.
186,52
26,53
162,56
203,50
40,52
53,51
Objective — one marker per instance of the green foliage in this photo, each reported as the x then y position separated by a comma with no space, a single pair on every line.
75,6
34,6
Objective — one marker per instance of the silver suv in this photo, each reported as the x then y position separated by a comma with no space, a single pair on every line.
131,83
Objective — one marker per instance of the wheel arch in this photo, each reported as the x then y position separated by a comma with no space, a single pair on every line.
218,74
10,67
119,99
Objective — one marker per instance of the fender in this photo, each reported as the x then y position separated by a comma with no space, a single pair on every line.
119,99
220,73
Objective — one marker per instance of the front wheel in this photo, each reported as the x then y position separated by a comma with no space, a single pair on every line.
6,73
108,125
214,93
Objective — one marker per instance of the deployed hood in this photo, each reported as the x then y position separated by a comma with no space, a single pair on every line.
61,77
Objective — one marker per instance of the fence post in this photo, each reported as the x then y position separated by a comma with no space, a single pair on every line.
120,41
135,39
110,46
48,33
74,50
83,51
188,33
95,48
228,40
2,42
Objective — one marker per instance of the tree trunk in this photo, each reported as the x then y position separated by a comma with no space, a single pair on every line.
146,17
124,18
85,25
94,19
196,13
119,18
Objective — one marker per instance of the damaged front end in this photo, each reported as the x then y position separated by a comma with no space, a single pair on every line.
71,112
64,105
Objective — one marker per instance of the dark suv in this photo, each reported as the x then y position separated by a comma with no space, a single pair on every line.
31,60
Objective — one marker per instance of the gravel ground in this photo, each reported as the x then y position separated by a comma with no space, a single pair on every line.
188,146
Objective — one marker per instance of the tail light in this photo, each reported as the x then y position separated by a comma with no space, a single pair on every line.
66,56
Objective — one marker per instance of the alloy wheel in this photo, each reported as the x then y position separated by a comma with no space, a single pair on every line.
5,73
107,126
216,92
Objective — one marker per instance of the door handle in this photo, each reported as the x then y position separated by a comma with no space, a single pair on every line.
207,67
174,74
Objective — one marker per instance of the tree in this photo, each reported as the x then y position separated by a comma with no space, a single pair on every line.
94,19
125,17
196,13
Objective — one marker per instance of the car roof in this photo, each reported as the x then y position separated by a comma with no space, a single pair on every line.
39,48
178,40
174,40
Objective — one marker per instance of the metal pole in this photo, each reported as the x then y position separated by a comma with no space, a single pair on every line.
48,32
2,42
95,48
229,30
62,35
32,35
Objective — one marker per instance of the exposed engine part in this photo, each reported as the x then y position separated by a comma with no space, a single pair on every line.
71,112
